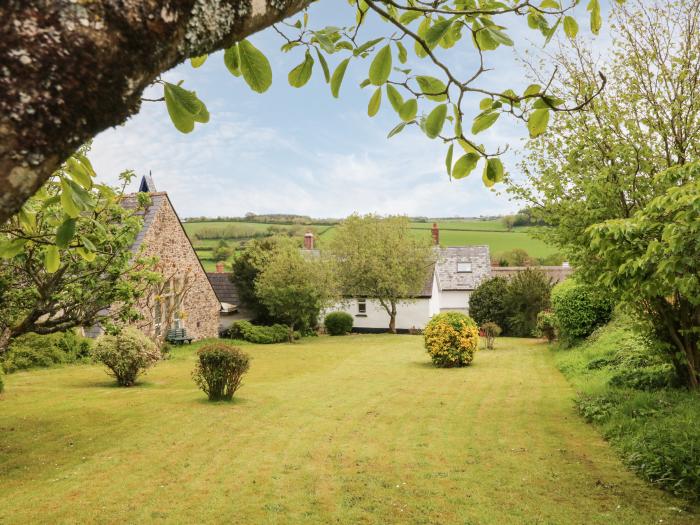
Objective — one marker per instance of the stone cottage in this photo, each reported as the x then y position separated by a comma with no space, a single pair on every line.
186,298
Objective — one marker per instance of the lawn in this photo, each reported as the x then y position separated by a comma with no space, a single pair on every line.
360,429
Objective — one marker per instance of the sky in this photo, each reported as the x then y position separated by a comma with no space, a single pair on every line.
302,151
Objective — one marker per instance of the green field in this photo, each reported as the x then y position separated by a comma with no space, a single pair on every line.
452,233
355,429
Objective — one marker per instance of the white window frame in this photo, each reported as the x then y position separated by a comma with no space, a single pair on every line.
462,264
362,307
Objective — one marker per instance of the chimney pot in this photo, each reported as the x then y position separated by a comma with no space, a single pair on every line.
436,234
308,241
220,267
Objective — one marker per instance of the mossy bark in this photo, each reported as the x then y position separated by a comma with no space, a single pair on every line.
69,70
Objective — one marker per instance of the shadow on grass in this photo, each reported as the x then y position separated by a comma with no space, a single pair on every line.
107,383
234,402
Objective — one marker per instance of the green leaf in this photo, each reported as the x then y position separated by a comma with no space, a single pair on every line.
380,69
397,129
301,74
409,16
408,110
403,54
485,103
232,60
537,123
438,30
364,47
448,159
435,121
394,97
484,121
183,106
255,67
198,61
532,89
65,233
337,78
87,255
10,249
27,220
431,86
465,165
499,36
570,27
67,200
374,102
79,173
596,20
52,259
324,66
493,172
87,243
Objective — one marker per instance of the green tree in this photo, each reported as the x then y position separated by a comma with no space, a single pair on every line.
117,53
596,176
65,258
380,259
652,260
527,295
295,287
601,163
249,264
488,303
222,252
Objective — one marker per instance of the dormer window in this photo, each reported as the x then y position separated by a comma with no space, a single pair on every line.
464,267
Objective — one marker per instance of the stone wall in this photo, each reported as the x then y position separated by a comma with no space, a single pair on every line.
166,239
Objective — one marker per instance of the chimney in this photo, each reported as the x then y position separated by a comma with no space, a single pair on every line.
308,241
436,234
220,267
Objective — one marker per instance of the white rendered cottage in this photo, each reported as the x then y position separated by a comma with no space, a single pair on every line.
458,270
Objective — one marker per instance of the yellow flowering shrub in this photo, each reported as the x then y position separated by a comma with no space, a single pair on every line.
451,339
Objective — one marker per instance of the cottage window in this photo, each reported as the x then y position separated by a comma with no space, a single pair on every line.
361,306
464,267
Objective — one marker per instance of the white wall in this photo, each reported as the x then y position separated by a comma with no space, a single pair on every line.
408,315
454,301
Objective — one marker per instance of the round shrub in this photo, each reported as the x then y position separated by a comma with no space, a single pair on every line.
451,339
220,370
579,309
126,354
546,325
488,303
338,323
490,331
258,334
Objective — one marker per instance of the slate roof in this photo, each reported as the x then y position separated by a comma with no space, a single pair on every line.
446,267
130,202
224,288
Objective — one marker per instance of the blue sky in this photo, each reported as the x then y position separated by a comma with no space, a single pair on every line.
302,151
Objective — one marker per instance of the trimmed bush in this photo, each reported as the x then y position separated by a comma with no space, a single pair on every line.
451,338
127,354
579,309
547,325
35,351
220,370
338,323
263,335
490,331
488,303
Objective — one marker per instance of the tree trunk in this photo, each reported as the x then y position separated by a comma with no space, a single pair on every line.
392,318
72,69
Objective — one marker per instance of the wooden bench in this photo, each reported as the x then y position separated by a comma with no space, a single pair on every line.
178,336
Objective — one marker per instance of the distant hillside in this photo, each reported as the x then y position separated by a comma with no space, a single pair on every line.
206,235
